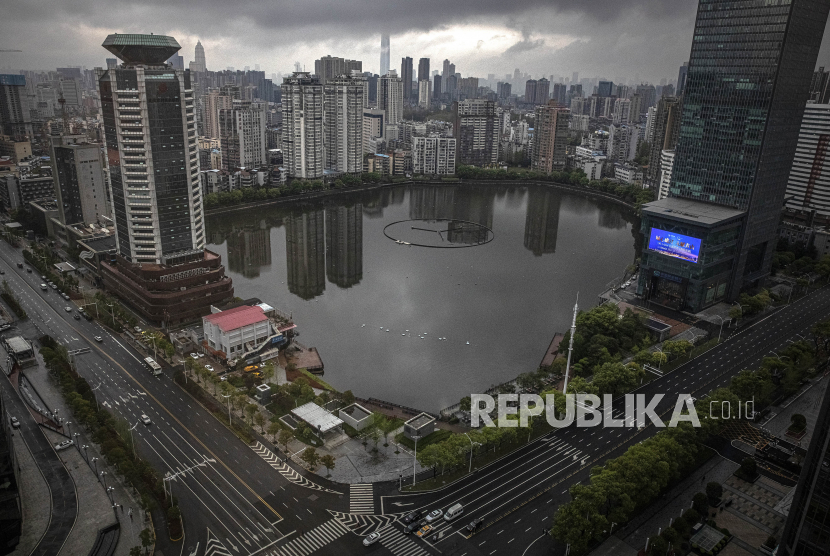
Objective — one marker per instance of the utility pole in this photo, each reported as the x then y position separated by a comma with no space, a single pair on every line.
571,345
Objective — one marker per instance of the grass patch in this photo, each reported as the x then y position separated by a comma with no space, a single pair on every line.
317,379
672,365
438,435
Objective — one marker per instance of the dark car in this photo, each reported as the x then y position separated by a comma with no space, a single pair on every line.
412,527
76,317
475,524
413,516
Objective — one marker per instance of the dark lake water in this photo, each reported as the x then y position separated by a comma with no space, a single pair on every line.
329,263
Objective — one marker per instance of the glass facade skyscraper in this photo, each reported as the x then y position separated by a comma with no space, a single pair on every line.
748,81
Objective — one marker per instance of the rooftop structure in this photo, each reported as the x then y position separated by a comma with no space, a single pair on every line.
317,418
142,49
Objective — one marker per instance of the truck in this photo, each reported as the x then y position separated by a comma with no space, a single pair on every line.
155,368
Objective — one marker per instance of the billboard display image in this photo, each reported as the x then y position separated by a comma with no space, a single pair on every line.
675,245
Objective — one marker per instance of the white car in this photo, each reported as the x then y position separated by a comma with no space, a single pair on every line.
200,355
99,339
209,367
146,420
137,328
434,515
224,378
68,309
63,445
371,539
15,423
194,355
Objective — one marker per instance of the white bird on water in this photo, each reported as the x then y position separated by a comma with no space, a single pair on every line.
468,343
364,326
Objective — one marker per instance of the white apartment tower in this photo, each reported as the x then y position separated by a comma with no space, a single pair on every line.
390,97
343,124
302,126
152,150
433,155
242,135
808,188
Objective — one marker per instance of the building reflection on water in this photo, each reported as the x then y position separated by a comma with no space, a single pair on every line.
324,241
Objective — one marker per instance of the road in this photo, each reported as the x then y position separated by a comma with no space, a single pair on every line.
240,500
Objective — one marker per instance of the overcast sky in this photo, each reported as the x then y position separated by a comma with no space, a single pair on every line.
608,38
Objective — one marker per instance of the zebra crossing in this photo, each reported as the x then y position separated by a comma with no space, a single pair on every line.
361,499
313,540
286,470
214,547
361,524
399,544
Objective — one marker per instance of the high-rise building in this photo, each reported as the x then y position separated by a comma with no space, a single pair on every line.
153,164
605,88
445,74
530,91
343,125
437,84
665,129
433,155
344,245
808,187
622,111
423,69
329,67
390,97
807,528
15,118
373,128
550,137
637,107
682,73
560,94
384,54
78,173
649,97
302,125
199,63
424,96
214,101
476,130
242,135
503,90
305,252
666,163
406,77
819,91
176,61
738,135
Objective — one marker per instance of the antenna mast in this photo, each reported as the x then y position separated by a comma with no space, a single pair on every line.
571,345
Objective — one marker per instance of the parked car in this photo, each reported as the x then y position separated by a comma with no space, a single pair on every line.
65,296
44,287
251,368
43,278
209,367
424,531
224,378
68,309
99,339
474,525
413,516
14,423
371,539
146,420
63,445
434,515
137,328
194,355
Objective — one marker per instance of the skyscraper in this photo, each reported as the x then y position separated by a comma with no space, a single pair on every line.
242,135
15,118
476,130
423,69
681,78
214,101
808,187
406,77
665,128
343,125
819,91
390,97
605,88
329,67
445,73
384,54
738,135
302,125
199,63
78,172
424,93
153,163
551,137
808,528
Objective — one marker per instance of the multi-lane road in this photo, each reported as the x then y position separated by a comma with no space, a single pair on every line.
240,499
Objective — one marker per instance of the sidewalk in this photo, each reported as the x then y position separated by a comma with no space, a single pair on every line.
95,510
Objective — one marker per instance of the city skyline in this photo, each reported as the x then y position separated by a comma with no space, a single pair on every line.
649,40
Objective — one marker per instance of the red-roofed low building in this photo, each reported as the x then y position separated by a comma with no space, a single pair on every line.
239,331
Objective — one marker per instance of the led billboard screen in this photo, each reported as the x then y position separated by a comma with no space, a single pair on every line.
674,245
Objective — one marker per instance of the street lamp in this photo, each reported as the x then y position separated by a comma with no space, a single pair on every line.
470,469
97,405
86,455
104,478
132,439
227,397
415,457
95,463
721,325
109,492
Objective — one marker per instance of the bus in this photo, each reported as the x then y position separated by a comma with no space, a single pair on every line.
155,368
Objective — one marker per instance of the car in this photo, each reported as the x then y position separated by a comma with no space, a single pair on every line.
251,368
209,367
412,527
371,539
43,277
2,271
29,270
63,445
5,327
14,423
200,355
65,296
256,374
224,378
76,316
194,355
68,309
424,531
434,515
44,287
53,285
413,516
474,525
137,328
19,265
99,339
146,420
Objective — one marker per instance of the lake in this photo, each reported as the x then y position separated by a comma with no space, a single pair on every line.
492,273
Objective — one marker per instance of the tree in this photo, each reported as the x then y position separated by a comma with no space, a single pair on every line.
285,437
700,503
135,551
465,403
714,491
274,429
348,397
259,419
749,468
267,371
798,422
147,539
310,457
328,462
374,435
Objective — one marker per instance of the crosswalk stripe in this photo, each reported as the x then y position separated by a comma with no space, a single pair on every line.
314,539
361,499
286,470
398,544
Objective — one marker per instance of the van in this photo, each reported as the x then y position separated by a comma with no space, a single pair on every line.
453,512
